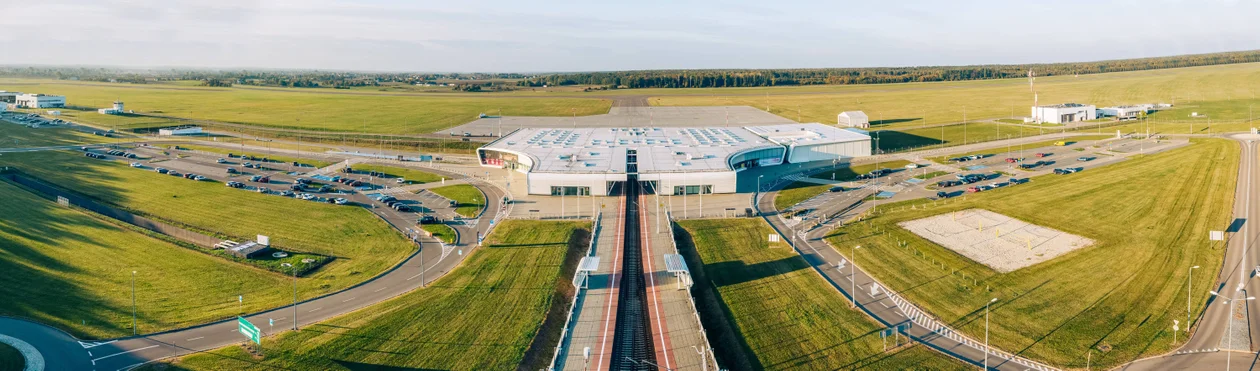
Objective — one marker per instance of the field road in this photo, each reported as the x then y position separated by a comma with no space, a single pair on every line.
1206,347
63,352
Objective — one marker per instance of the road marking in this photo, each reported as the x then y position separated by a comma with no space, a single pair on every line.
129,351
379,290
348,300
196,338
94,344
312,310
89,353
131,367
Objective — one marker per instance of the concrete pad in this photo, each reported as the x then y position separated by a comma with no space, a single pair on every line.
1003,243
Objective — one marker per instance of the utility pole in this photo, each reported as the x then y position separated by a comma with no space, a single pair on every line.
133,303
986,333
853,275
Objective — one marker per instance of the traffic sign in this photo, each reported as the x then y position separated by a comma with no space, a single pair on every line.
249,330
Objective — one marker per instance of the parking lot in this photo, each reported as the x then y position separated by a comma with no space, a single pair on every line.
402,209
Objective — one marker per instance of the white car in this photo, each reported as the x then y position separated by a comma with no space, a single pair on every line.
136,164
341,201
912,166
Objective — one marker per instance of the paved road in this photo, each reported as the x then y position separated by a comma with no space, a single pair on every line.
1201,351
63,352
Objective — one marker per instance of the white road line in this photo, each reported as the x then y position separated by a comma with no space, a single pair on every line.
348,300
89,353
379,290
131,367
312,310
129,351
196,338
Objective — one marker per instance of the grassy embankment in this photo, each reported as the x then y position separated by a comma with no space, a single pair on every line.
1149,218
362,244
483,316
789,317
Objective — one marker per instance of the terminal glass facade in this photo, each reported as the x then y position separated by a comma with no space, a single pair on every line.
570,191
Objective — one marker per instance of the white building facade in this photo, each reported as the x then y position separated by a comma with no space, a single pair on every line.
1064,113
183,130
41,101
853,119
586,161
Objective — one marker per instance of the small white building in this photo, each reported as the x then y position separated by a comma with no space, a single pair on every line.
1125,112
1064,113
853,119
41,101
9,96
115,110
182,130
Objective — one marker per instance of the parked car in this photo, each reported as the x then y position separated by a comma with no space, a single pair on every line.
286,193
303,181
427,219
161,170
136,164
199,178
1012,160
341,201
973,189
942,194
1039,154
1084,159
908,166
836,189
232,170
221,161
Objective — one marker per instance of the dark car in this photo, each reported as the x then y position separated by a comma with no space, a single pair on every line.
837,189
942,194
428,219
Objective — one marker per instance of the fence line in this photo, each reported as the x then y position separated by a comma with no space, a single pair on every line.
692,300
564,333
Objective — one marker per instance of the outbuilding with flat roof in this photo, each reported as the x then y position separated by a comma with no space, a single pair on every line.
1064,113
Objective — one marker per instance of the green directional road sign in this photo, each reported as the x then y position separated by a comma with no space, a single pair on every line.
249,330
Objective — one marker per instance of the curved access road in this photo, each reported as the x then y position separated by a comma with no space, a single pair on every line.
1209,346
63,352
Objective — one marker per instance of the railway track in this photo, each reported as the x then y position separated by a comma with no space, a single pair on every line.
632,339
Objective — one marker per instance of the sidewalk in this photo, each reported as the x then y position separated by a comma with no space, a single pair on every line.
596,313
669,300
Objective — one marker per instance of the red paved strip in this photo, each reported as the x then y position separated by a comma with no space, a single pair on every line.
604,359
656,322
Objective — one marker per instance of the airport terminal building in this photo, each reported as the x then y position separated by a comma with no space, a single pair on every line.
670,160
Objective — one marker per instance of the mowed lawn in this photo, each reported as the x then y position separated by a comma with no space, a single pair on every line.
1149,218
799,191
283,160
1223,91
788,315
412,176
18,136
316,109
482,316
363,244
1028,147
469,200
73,271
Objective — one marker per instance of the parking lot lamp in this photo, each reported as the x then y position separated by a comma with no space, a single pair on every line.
133,303
986,333
1189,282
853,275
759,183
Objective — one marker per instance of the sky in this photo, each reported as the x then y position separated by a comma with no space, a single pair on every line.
562,35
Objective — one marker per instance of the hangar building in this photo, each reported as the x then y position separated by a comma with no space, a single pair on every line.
677,160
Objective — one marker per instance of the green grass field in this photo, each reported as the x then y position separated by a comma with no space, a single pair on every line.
469,200
363,244
790,317
441,232
1027,147
930,175
412,176
1149,218
1224,90
800,191
18,136
317,109
73,271
280,161
10,358
482,316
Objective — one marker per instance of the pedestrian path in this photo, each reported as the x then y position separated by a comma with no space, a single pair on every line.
680,342
595,315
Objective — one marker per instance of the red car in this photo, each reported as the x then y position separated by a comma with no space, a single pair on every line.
1042,154
1012,160
973,189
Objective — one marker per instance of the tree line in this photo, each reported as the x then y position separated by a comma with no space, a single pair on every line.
721,78
274,78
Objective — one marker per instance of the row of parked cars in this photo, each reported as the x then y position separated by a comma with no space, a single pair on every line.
874,174
393,203
969,158
94,155
1068,170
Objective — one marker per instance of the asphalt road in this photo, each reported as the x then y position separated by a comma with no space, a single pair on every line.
1201,351
63,352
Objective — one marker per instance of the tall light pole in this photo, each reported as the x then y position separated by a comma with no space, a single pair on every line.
1189,282
986,333
133,303
293,268
853,275
1230,302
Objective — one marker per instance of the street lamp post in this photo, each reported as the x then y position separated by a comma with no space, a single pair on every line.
1189,282
1230,334
133,303
293,269
986,333
853,275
